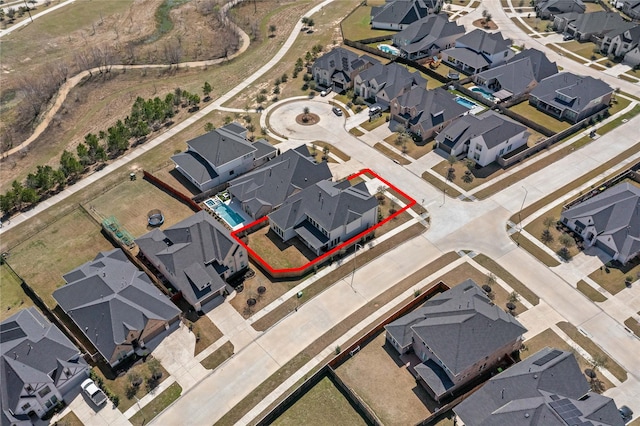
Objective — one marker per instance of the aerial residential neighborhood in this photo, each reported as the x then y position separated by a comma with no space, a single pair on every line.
389,212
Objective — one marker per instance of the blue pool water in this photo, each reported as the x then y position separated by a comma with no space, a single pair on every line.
483,92
212,202
465,102
228,215
389,49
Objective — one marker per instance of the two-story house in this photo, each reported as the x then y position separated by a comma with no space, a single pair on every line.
425,112
38,366
621,43
115,305
325,215
546,9
630,7
517,77
546,389
428,36
457,335
595,25
571,97
196,256
609,221
478,51
483,138
265,189
221,155
382,83
398,14
338,68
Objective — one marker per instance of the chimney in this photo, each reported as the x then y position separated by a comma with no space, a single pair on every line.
502,393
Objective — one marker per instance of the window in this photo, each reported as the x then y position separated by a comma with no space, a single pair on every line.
501,151
478,147
508,148
506,53
476,156
25,407
230,172
44,391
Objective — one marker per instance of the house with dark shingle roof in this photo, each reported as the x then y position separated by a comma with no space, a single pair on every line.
545,389
385,82
546,9
595,25
457,335
630,7
220,155
517,77
621,43
399,14
325,214
115,305
338,68
609,221
561,20
265,189
478,51
571,97
483,138
428,36
425,112
196,256
38,366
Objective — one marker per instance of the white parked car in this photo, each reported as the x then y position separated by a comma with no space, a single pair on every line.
94,392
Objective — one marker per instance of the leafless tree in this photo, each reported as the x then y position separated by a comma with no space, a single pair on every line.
173,52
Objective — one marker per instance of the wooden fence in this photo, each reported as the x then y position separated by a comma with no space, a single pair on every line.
172,191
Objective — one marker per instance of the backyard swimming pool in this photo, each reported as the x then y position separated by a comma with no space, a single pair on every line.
465,102
483,92
389,49
225,212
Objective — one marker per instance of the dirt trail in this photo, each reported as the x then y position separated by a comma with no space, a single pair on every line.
64,90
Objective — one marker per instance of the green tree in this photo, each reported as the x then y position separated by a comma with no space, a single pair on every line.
208,127
59,178
566,240
29,195
118,138
272,30
8,201
546,236
69,164
83,154
206,90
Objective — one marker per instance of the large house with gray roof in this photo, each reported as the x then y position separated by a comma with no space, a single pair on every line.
338,68
326,214
428,36
545,389
38,366
457,335
382,83
595,25
425,112
115,305
517,77
221,155
478,51
630,7
483,138
546,9
571,97
623,42
399,14
196,256
265,189
609,221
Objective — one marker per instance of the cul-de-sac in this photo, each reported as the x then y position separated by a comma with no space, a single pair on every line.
320,212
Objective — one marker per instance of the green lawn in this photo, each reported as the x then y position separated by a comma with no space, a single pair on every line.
618,121
533,249
12,296
532,113
413,149
370,124
590,292
70,419
322,405
537,227
159,403
356,132
218,356
586,49
357,25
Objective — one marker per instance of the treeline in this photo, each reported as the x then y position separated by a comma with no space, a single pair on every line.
147,115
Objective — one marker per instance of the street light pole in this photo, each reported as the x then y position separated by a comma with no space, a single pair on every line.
444,193
520,213
355,254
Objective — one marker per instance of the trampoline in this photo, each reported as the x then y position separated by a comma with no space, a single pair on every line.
155,218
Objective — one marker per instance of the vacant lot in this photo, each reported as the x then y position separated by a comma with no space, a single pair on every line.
322,405
12,296
383,382
64,245
549,338
130,202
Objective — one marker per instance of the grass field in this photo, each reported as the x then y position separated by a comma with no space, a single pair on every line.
218,356
64,245
12,297
414,149
130,202
381,119
322,405
534,114
376,369
357,25
278,254
585,49
549,338
159,403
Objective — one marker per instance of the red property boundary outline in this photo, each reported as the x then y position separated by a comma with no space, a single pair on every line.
264,264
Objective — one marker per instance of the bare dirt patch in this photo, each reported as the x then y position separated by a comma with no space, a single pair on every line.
481,23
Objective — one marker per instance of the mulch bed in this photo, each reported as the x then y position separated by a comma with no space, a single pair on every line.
307,119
